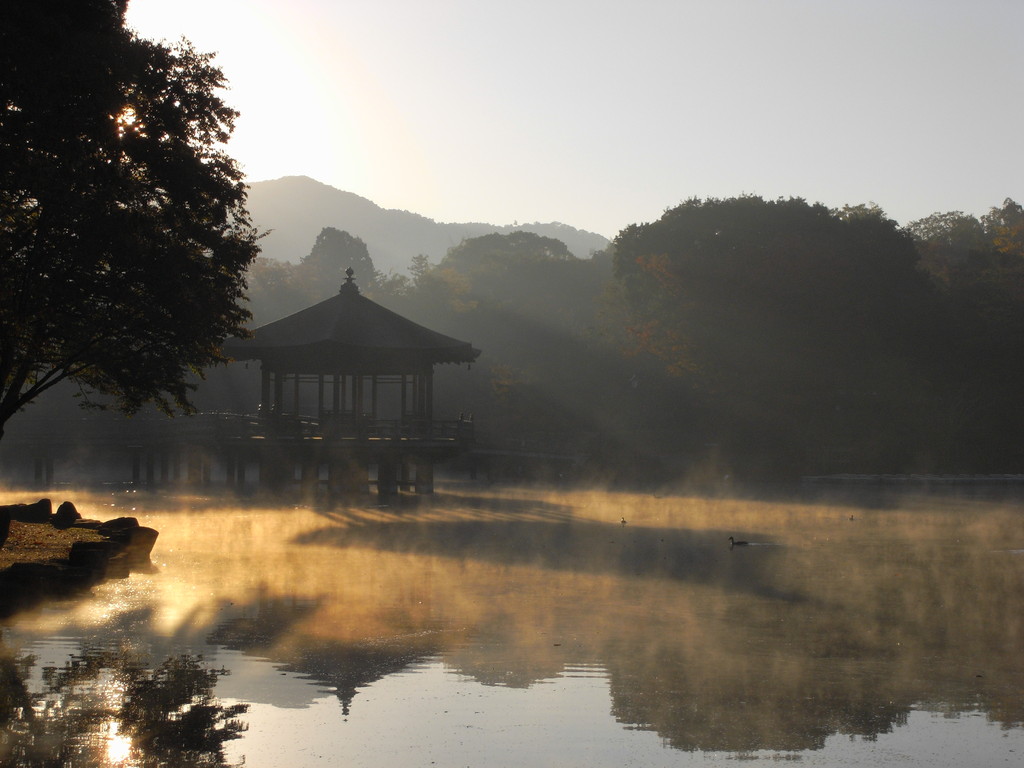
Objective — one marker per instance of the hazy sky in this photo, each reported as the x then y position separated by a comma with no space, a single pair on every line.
602,114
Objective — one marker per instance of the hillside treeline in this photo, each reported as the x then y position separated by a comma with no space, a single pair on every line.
745,337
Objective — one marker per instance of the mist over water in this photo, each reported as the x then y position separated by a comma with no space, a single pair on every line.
530,627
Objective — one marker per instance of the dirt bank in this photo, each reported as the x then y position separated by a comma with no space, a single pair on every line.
40,543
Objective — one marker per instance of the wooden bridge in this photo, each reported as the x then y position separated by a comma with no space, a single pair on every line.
238,452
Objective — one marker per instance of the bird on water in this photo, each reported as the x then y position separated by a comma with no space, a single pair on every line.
734,543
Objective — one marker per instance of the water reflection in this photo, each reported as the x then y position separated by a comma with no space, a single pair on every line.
343,667
841,620
105,706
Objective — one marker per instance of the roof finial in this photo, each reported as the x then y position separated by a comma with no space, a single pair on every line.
349,285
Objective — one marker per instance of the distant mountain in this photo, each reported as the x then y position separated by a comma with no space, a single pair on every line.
296,208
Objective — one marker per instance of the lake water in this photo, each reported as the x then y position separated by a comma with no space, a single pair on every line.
484,627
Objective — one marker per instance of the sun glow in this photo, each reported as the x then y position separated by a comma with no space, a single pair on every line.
128,122
119,747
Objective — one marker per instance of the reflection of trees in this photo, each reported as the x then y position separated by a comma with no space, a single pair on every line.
762,704
842,631
883,628
105,704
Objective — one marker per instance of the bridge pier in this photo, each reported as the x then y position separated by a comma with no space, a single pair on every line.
387,478
309,476
42,471
347,473
424,475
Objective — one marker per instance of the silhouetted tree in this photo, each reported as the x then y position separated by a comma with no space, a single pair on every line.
946,241
123,231
322,271
529,275
807,327
979,266
1005,225
419,266
273,291
487,251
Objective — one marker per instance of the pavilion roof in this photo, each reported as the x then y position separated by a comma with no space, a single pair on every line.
349,327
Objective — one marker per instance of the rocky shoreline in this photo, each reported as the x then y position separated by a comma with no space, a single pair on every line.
82,553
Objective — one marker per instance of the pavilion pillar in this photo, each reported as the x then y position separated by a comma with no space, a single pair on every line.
275,408
428,405
357,403
420,397
265,404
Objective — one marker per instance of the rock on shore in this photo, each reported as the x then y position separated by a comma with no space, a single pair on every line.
76,553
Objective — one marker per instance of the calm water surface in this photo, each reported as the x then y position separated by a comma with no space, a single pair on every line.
531,628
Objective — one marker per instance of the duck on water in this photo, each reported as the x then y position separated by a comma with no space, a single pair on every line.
734,543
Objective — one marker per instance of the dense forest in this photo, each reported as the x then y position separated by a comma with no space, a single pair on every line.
744,337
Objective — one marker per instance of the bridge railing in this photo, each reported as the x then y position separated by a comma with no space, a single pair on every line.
348,428
212,427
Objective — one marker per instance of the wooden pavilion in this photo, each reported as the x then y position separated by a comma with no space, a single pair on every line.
347,387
